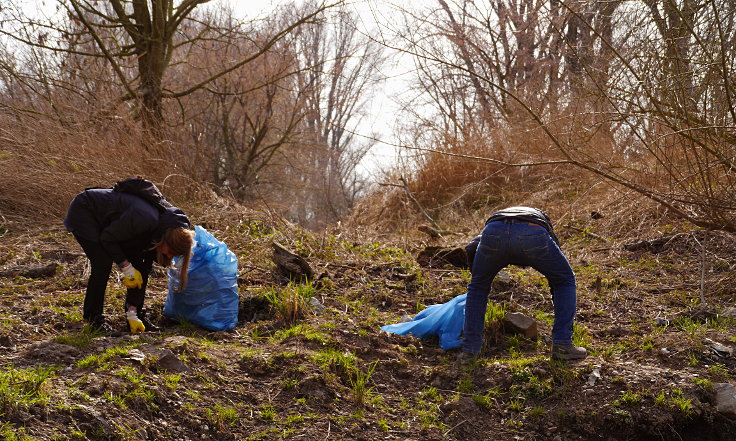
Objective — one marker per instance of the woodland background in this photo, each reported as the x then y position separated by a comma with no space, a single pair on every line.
505,96
616,117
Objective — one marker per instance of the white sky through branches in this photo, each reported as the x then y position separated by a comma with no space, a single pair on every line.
380,113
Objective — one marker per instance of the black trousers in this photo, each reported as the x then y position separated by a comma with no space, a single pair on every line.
101,264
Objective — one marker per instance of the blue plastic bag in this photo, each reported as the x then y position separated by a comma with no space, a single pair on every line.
210,299
445,320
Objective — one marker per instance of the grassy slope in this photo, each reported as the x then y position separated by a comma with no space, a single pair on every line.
336,375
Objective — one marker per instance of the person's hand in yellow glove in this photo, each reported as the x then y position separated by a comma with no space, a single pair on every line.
132,278
134,323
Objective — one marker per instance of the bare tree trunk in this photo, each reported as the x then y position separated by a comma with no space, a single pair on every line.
339,66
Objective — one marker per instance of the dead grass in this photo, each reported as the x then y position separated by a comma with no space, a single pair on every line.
457,188
46,161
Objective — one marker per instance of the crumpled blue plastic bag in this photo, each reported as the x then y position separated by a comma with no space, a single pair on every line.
210,299
445,320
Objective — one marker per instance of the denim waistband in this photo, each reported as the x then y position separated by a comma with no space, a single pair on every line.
511,220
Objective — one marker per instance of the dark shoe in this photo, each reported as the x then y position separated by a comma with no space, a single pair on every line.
168,322
150,327
99,325
568,352
466,360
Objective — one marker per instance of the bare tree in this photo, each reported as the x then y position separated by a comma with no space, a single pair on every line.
230,109
246,122
340,66
639,93
138,39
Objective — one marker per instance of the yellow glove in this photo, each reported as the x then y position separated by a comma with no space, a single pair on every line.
136,325
132,278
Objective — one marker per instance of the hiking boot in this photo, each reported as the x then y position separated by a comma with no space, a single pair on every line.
568,352
98,325
466,360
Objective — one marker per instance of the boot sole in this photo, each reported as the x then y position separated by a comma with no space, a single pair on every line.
569,357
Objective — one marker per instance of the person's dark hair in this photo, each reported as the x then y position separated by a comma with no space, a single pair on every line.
180,242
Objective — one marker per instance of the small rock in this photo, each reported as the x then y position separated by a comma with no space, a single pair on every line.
502,281
290,266
725,400
406,318
661,321
169,362
521,324
6,341
136,355
721,351
664,351
438,257
317,306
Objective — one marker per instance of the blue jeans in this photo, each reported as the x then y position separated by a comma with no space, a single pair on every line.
512,242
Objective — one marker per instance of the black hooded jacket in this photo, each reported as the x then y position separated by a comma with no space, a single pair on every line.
110,217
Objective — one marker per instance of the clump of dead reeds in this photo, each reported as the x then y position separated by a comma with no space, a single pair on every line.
46,160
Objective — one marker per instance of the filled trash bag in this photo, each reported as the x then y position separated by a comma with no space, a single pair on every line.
444,320
210,299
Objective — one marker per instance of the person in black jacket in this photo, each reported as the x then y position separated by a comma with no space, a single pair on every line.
520,236
112,226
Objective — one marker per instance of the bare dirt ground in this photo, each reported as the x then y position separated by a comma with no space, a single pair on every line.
332,374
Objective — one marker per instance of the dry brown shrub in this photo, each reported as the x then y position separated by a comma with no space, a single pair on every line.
627,217
45,162
458,188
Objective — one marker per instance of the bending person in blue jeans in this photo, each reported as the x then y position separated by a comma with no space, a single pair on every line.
521,236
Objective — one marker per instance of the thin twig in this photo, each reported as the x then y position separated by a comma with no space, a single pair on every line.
416,202
454,427
702,268
587,233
